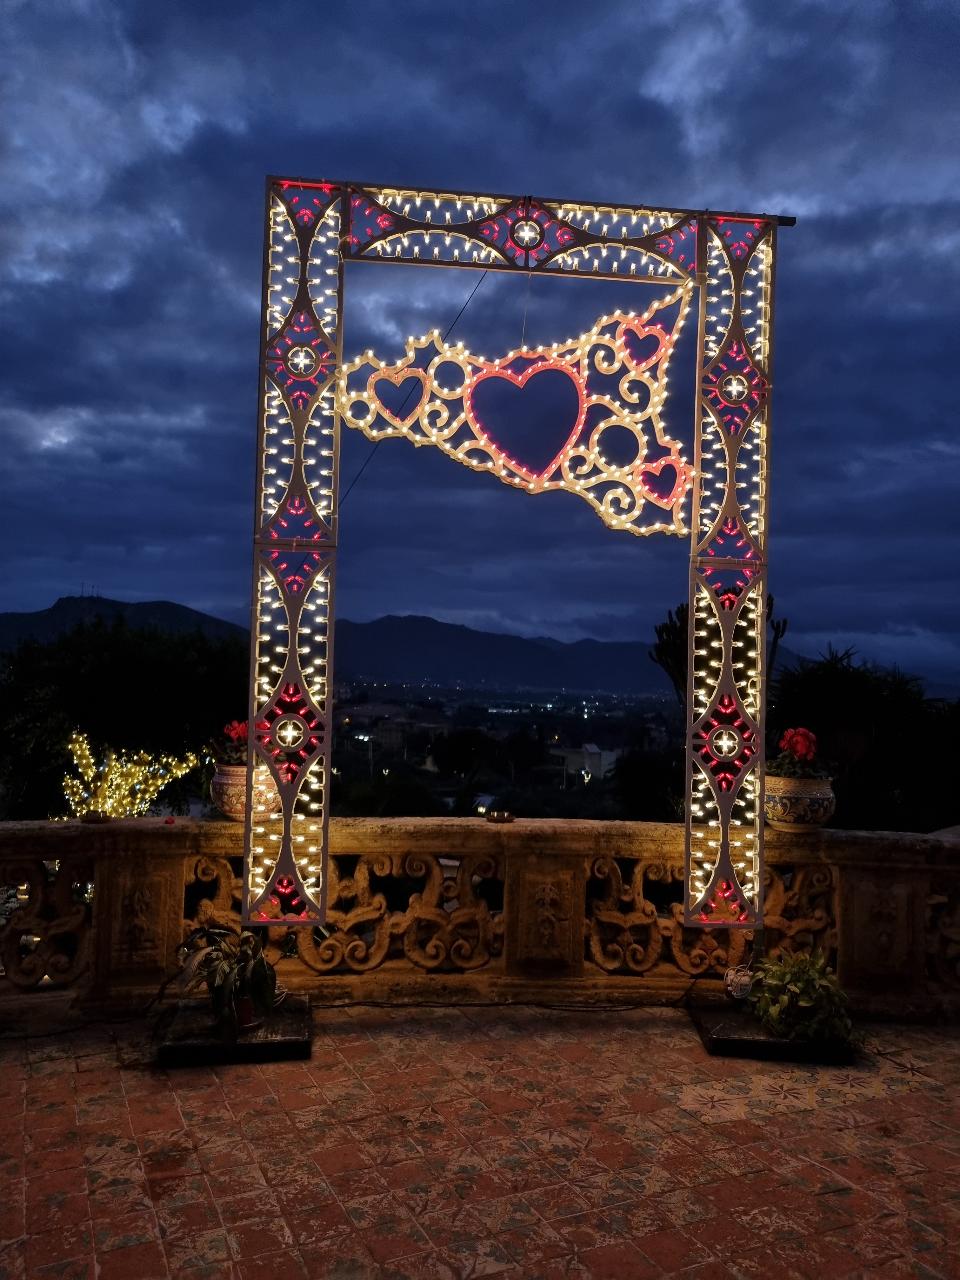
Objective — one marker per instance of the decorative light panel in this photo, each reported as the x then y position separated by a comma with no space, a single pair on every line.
443,386
614,377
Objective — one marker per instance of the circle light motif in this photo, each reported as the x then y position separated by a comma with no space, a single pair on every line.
289,732
301,361
527,233
734,388
725,742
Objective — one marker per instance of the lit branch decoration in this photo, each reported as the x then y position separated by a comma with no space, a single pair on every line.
617,374
442,387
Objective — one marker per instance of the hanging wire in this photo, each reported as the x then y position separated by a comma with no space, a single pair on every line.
369,458
526,304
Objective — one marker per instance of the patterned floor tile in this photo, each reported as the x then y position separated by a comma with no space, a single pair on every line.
447,1143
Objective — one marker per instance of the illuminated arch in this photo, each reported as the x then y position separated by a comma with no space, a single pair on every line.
722,262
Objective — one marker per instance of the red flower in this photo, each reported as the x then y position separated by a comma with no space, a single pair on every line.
236,731
800,743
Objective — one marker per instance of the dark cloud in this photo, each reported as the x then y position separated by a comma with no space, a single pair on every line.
135,145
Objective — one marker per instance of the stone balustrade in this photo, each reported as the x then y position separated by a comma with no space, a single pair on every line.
459,910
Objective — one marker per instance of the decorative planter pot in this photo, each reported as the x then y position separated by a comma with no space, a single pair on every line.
228,790
793,804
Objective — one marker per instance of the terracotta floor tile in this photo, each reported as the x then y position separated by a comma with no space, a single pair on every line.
394,1238
358,1184
177,1221
560,1201
620,1260
232,1180
208,1271
344,1158
434,1264
345,1253
673,1250
684,1206
594,1228
174,1189
75,1269
122,1230
438,1140
260,1236
311,1229
136,1262
62,1245
287,1265
153,1118
198,1249
477,1255
60,1210
117,1190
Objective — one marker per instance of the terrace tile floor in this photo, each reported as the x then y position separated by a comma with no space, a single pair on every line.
443,1143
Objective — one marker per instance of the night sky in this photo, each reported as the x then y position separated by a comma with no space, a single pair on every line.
135,140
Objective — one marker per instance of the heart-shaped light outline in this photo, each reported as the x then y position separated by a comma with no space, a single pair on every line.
654,468
520,380
398,377
665,340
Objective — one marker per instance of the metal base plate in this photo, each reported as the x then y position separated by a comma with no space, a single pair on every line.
192,1041
735,1033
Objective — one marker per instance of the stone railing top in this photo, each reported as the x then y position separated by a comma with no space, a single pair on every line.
573,836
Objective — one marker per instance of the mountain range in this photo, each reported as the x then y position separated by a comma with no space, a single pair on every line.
403,649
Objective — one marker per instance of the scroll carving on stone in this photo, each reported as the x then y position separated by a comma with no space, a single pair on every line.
427,911
627,933
47,937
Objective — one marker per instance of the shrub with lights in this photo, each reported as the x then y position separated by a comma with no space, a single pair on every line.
121,786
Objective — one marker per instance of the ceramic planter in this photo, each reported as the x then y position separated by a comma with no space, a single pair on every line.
797,804
228,790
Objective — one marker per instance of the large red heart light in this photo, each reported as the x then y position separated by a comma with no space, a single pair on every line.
522,381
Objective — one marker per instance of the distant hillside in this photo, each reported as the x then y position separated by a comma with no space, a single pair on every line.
418,649
406,649
70,611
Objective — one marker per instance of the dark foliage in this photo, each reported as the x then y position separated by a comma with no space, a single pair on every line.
798,997
649,785
670,650
891,751
130,689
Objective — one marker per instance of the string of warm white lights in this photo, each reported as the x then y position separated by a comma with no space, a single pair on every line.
445,378
120,786
728,582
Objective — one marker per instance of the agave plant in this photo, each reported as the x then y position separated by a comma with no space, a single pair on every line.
240,979
798,997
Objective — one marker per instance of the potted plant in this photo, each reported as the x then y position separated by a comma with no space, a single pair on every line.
240,980
798,791
228,785
797,997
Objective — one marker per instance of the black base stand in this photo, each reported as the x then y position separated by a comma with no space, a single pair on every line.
731,1032
191,1039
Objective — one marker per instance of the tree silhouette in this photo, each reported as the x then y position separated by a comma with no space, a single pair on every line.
670,652
126,688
